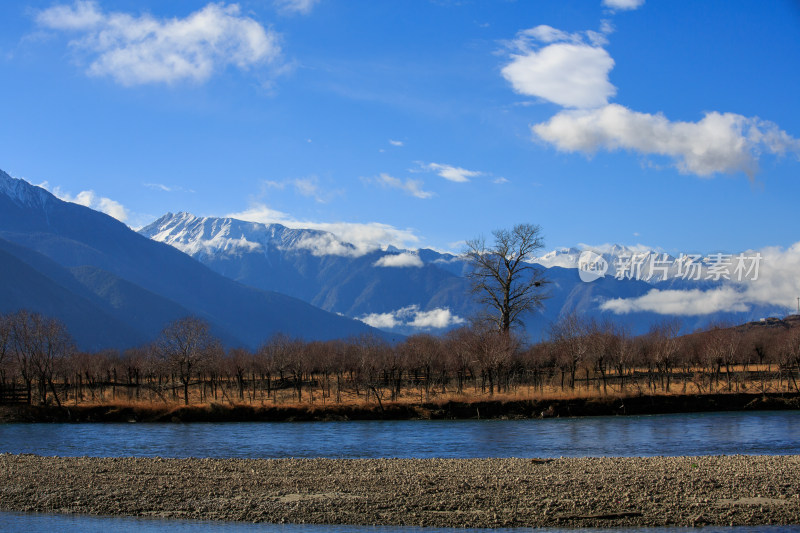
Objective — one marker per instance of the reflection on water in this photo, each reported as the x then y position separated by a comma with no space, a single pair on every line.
21,522
776,432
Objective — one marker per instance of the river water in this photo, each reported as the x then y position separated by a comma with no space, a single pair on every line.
772,433
769,432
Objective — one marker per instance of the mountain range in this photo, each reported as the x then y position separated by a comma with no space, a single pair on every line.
114,288
408,291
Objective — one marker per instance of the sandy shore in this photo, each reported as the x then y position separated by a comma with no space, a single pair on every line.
686,491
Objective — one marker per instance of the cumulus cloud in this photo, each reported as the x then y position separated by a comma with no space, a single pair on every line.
364,237
413,317
91,200
409,186
571,70
436,318
718,143
677,302
451,173
623,5
303,7
136,50
401,260
381,320
776,286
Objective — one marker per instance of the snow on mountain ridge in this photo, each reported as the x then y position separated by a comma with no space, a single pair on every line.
640,262
22,192
228,236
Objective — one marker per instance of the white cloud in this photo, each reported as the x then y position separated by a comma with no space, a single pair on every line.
451,173
135,50
623,5
411,316
435,318
303,7
395,143
720,142
308,187
777,285
365,237
412,187
82,15
381,320
567,71
91,200
401,260
166,188
679,302
327,244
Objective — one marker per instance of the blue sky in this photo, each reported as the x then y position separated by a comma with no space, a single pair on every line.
417,123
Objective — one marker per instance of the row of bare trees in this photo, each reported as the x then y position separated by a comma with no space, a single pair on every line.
187,364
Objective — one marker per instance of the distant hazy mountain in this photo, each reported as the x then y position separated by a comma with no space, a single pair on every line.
411,291
114,287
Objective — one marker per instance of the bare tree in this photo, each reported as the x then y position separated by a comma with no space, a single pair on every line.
665,346
569,338
503,278
184,345
40,344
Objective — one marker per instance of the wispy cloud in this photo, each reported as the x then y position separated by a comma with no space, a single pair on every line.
408,185
402,260
166,188
451,173
302,7
623,5
395,143
143,49
308,187
718,143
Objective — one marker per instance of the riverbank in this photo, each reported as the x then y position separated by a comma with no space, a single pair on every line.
447,410
576,492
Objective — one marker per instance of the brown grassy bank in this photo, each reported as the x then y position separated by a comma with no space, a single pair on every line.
451,409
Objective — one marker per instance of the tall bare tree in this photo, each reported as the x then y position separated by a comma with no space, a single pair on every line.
502,276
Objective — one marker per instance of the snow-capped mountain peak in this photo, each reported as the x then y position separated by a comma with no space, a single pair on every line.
200,236
23,193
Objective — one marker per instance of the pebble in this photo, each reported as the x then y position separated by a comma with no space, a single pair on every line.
574,492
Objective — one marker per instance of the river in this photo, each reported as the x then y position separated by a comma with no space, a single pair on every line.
766,432
775,433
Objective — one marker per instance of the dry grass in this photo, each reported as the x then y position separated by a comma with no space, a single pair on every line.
411,397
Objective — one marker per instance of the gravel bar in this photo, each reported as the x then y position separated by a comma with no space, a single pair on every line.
567,492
